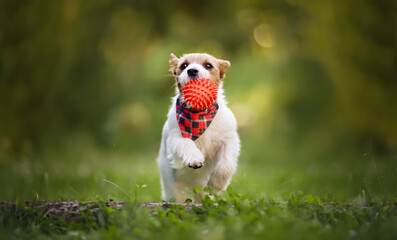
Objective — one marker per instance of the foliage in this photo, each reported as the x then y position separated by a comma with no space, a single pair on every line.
100,66
226,216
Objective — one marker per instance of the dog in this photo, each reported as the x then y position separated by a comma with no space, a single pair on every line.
209,160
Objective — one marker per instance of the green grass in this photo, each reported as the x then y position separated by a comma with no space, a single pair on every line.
279,192
228,216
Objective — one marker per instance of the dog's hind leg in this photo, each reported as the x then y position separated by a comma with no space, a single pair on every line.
167,172
226,165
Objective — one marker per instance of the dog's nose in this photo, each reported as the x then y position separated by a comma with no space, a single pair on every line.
192,72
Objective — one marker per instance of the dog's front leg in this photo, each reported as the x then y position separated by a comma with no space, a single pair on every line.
183,151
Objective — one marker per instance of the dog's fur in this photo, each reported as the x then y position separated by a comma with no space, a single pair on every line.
210,160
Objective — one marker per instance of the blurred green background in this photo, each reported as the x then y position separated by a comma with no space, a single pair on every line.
84,93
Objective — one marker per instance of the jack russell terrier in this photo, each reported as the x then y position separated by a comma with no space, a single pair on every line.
208,157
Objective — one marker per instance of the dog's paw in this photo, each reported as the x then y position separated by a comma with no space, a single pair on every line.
194,159
195,165
192,156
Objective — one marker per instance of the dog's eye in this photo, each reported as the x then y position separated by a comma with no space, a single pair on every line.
208,66
183,66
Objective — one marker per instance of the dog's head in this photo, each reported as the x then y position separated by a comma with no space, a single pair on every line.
197,65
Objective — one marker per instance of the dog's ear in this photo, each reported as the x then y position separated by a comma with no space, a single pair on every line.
173,63
223,65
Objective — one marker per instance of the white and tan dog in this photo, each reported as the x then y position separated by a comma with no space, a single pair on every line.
210,160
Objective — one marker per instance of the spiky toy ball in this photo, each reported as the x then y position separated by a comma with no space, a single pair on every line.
200,94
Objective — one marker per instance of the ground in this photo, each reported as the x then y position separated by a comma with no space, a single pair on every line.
271,197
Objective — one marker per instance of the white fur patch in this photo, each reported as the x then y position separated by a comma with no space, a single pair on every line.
184,78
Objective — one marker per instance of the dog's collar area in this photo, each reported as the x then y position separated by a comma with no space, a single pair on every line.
194,123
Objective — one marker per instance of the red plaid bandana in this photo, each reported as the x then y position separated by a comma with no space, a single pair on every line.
194,123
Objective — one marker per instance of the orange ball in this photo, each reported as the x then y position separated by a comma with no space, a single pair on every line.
200,94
